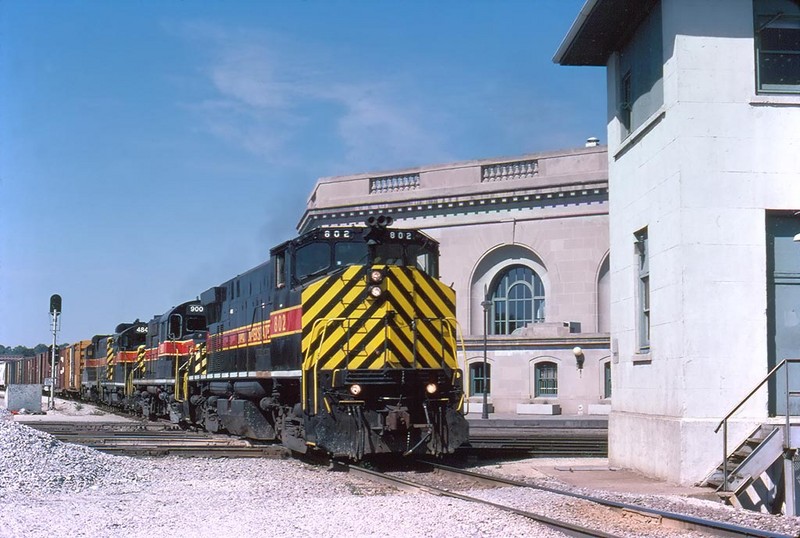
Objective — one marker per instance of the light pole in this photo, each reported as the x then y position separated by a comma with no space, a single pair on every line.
486,303
55,311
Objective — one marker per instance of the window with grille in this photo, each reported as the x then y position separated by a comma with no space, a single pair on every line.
477,379
546,374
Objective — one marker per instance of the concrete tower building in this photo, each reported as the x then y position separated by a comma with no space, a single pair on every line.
704,185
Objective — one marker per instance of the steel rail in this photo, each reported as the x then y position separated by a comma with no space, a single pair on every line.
675,520
134,439
570,529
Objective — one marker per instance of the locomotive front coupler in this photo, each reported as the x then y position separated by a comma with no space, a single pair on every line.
397,419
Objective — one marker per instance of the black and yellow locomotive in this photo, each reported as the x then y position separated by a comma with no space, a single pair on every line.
344,340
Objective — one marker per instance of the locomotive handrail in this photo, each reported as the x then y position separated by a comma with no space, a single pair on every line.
129,383
458,336
310,361
181,380
457,372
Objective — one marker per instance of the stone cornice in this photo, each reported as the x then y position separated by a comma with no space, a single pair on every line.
562,178
507,200
586,341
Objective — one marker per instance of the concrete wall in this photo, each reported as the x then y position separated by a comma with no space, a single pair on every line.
28,397
700,175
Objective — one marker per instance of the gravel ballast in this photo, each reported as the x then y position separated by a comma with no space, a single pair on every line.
50,488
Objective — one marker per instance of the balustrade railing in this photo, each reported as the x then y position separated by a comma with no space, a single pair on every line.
512,170
381,185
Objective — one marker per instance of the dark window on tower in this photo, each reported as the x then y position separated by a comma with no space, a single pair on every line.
643,290
777,43
640,87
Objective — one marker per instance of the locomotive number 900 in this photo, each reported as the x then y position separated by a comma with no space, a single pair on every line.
195,308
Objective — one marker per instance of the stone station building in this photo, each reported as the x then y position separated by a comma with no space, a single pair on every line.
530,234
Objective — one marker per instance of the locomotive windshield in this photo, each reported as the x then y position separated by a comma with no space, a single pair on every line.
333,249
195,323
312,259
132,337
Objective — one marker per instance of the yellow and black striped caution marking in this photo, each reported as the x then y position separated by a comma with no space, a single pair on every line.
141,353
409,326
199,362
110,359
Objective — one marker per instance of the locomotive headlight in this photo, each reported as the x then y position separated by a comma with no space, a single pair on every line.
355,390
376,276
431,388
375,291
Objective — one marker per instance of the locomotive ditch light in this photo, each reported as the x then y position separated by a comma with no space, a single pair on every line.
355,390
431,388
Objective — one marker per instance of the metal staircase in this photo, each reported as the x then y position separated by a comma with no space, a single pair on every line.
763,472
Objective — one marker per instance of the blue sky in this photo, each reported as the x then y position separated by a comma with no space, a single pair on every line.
152,149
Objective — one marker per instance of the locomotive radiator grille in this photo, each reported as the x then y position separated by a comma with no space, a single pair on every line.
409,326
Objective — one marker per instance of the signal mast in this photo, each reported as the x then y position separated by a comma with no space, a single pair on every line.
55,313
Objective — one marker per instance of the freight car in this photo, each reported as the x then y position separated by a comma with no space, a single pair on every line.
68,374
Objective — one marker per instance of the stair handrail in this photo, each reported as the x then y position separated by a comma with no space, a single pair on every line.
724,422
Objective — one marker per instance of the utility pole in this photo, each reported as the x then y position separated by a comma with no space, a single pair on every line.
486,304
55,312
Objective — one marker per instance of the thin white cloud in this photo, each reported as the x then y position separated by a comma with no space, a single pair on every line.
268,89
373,129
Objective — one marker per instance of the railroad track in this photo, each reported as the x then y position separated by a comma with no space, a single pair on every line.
622,519
155,439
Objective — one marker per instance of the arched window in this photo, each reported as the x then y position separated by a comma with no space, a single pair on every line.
546,375
517,300
477,379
